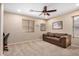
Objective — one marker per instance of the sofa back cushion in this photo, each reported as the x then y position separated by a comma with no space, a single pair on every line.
50,34
58,35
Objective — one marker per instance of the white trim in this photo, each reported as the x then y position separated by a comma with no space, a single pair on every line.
2,17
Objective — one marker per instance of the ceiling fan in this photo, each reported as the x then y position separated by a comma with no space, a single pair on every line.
44,11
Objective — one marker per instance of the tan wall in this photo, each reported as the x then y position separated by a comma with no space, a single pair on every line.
67,23
49,26
13,25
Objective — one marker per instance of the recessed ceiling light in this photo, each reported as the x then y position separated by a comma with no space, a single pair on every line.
77,4
18,10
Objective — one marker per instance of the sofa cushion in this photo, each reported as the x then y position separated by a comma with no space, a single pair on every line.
54,38
57,35
50,34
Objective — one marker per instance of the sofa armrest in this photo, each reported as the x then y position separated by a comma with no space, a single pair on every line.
62,39
65,40
44,36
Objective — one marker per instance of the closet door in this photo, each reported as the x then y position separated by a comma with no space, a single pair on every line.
25,25
31,26
28,25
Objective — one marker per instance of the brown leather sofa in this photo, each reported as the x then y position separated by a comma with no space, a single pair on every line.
60,39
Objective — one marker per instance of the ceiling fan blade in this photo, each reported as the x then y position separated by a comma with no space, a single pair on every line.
51,10
48,14
35,11
41,13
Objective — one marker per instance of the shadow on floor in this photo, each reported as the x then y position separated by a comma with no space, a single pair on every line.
73,47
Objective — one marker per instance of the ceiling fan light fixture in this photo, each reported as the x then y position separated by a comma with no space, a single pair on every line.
18,10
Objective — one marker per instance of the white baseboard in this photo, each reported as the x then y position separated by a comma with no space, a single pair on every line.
23,42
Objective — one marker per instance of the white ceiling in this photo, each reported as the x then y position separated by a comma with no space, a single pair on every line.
62,8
